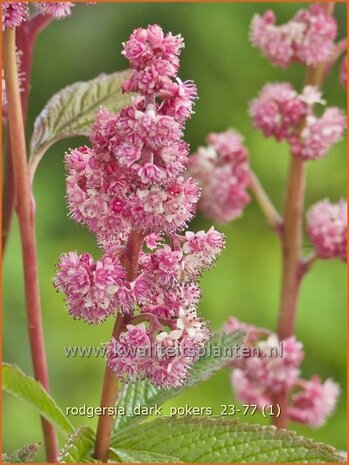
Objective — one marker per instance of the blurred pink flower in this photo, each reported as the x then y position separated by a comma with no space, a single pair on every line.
223,174
307,38
327,228
13,14
314,403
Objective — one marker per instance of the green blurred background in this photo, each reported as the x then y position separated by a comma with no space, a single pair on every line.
246,280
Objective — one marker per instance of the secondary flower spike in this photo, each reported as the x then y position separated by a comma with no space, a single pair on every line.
272,367
270,373
133,180
223,173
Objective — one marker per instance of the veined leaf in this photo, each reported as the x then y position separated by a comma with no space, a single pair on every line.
81,444
18,384
208,440
143,393
23,455
71,111
136,456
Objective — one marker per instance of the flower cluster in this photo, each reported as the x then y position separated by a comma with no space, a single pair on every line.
92,289
314,402
130,190
279,111
133,175
165,284
15,13
56,9
273,368
307,38
163,357
319,134
327,229
223,173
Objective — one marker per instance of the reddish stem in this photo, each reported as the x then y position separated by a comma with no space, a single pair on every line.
271,214
110,394
8,196
25,40
25,213
291,247
26,36
110,391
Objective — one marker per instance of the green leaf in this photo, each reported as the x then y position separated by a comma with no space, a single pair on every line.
137,456
18,384
80,447
208,440
23,455
71,111
81,444
142,393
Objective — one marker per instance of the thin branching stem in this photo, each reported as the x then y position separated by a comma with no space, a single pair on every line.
271,214
25,40
25,213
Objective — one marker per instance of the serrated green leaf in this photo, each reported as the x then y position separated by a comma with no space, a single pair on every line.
23,455
142,393
208,440
130,456
81,444
71,111
18,384
80,447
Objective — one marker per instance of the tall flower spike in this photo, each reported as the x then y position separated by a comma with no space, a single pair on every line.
223,173
133,179
142,148
307,38
327,229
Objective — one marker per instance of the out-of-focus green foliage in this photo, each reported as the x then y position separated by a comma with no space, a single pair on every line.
246,280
